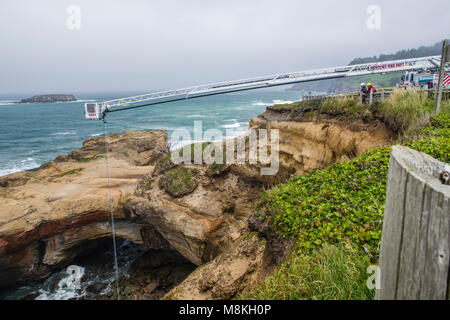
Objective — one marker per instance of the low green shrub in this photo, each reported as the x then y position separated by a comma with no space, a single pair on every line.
344,202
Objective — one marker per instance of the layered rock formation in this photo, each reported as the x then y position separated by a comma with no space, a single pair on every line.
305,144
308,143
51,215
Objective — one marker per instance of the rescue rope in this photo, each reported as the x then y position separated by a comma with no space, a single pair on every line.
116,266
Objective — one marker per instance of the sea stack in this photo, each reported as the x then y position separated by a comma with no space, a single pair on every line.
47,98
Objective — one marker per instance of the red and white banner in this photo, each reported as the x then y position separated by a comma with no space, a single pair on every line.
445,81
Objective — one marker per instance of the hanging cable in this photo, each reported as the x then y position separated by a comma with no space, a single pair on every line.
116,266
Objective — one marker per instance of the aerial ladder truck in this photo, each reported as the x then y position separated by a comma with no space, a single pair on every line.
98,110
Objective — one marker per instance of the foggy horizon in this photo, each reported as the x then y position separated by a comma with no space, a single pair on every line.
136,46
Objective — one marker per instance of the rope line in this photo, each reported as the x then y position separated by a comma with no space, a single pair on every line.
116,266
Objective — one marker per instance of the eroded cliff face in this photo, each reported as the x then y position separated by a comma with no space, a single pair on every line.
307,143
204,222
239,268
51,215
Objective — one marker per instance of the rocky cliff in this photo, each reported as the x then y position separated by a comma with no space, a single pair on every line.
51,215
48,215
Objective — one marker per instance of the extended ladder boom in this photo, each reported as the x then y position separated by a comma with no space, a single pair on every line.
98,110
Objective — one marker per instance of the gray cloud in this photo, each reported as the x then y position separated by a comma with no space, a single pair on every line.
149,45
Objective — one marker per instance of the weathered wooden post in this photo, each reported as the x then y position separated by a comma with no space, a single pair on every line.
444,57
382,95
414,254
371,97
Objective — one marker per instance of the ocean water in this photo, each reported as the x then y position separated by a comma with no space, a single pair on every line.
31,134
95,268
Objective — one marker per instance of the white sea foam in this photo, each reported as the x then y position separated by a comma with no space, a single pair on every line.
64,290
83,100
195,116
227,126
282,101
6,103
26,164
96,134
262,103
64,133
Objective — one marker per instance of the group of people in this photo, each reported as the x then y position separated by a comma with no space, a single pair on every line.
366,90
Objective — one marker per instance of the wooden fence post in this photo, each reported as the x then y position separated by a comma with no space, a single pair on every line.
444,57
414,253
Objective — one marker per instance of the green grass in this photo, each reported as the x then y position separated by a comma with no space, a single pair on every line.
70,172
342,105
29,175
249,235
403,110
216,169
164,164
330,273
406,110
85,160
204,145
178,181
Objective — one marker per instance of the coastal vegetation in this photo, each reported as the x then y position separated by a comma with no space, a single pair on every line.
179,181
69,172
331,272
334,215
403,110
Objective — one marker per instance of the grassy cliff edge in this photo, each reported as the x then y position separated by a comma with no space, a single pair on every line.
335,215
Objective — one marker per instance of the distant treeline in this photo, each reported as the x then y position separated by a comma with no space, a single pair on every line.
379,80
422,51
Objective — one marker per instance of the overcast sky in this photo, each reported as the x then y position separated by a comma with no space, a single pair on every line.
142,45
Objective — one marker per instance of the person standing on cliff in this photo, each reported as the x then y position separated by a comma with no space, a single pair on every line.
363,92
370,88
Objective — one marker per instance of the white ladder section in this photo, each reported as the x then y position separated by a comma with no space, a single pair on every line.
98,110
